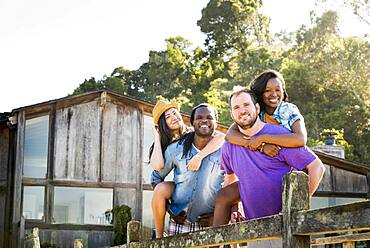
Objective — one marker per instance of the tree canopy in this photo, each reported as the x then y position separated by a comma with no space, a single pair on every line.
327,76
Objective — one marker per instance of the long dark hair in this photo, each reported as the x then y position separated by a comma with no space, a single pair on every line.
258,85
166,135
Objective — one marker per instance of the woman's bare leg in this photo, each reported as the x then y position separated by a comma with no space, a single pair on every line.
162,193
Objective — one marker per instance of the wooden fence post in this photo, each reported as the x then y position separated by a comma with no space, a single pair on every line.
350,244
36,239
78,243
295,197
368,184
133,232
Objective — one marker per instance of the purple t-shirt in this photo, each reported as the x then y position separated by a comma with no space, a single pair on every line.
260,176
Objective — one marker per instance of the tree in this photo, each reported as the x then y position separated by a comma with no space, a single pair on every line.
88,85
360,8
328,78
232,25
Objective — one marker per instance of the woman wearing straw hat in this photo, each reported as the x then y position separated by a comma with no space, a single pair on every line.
169,127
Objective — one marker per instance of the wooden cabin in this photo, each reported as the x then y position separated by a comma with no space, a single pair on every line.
65,163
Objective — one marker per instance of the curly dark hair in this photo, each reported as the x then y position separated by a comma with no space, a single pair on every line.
258,85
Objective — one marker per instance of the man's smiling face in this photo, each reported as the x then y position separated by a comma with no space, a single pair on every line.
243,110
204,121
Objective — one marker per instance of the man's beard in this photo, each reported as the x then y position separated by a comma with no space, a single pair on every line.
247,126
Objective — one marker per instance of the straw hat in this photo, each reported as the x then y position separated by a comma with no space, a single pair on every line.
161,107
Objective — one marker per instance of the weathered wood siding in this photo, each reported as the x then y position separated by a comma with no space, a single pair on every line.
340,181
345,181
77,142
17,185
121,144
65,238
4,152
326,182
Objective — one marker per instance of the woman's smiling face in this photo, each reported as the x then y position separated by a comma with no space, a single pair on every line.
173,119
272,95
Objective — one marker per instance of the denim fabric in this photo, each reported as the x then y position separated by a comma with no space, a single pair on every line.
196,191
286,114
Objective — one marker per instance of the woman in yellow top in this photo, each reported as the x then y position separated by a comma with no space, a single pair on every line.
169,127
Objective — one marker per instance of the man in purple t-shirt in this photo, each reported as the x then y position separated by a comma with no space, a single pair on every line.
258,176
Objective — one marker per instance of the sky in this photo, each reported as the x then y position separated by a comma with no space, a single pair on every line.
47,48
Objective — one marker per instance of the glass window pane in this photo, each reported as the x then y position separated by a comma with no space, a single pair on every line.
323,202
36,147
82,205
33,202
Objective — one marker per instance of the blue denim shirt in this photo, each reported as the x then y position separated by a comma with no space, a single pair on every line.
286,114
194,191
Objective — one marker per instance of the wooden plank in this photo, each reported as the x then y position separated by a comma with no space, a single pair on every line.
341,194
77,139
127,197
258,229
348,217
121,144
4,152
2,218
38,112
343,164
340,239
10,194
139,176
17,186
295,198
52,117
368,184
346,181
65,238
49,196
71,227
326,182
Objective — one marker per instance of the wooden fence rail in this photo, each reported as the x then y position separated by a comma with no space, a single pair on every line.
295,224
34,237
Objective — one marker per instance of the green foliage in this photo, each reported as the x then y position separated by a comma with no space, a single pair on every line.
232,24
121,216
327,76
360,8
88,85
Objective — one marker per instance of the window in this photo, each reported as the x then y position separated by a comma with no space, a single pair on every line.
82,205
36,147
33,202
323,202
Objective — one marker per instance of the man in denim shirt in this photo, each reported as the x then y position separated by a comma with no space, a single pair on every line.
195,191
